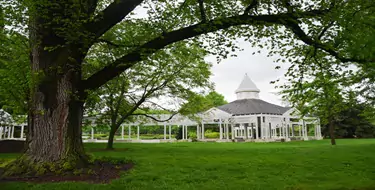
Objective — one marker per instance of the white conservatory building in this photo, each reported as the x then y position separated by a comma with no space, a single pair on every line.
251,119
246,119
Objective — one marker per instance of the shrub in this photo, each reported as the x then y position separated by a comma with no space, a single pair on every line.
100,136
212,135
192,135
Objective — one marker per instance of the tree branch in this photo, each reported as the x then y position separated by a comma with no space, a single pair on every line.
158,120
113,44
114,69
297,30
252,5
111,15
288,5
324,30
140,102
120,99
91,6
157,105
202,10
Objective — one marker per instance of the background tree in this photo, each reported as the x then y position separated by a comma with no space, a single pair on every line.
168,76
354,123
322,89
197,102
324,80
62,34
14,73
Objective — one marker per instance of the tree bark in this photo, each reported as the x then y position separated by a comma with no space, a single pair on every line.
111,137
332,131
56,110
56,99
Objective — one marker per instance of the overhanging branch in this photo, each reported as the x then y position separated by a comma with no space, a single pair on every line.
202,10
114,69
297,30
112,15
155,119
252,5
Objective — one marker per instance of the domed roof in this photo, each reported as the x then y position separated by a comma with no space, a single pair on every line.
247,85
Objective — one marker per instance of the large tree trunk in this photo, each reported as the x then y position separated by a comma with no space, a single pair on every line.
56,111
55,132
56,101
332,131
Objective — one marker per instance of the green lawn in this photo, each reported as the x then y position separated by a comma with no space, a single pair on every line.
295,165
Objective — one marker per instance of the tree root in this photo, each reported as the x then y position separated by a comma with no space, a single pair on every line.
101,170
25,166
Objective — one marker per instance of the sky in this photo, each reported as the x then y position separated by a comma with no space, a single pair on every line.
228,74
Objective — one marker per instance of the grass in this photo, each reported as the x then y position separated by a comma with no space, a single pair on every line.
292,166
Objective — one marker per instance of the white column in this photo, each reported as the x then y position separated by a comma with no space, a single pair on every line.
9,131
183,132
1,132
130,132
92,133
186,132
275,132
285,131
138,132
263,131
122,132
4,132
202,130
170,132
251,132
256,132
292,129
12,132
319,131
221,130
22,128
165,131
225,131
198,132
247,131
315,132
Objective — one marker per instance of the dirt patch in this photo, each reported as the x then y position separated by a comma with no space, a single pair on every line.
11,146
99,172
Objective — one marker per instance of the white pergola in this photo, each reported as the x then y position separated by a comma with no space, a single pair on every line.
7,127
142,121
246,119
261,127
